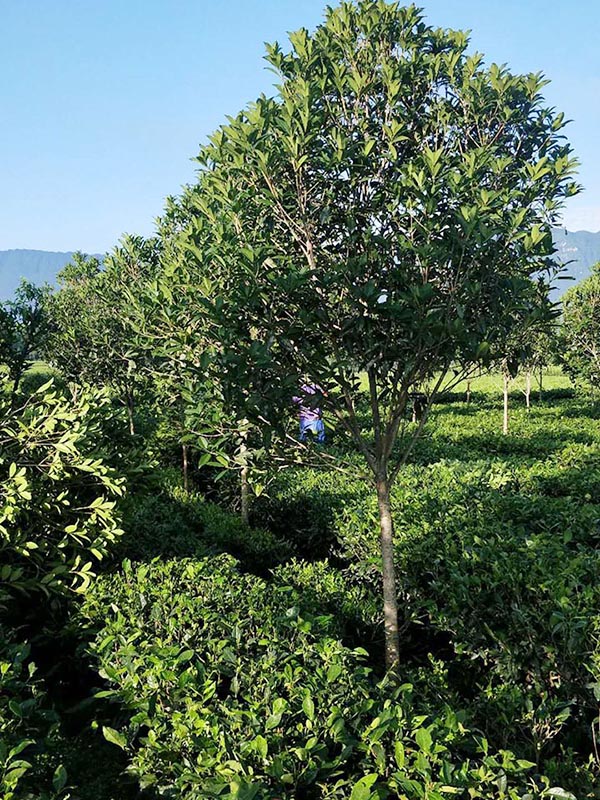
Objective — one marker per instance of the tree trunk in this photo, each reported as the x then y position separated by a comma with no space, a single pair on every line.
245,497
16,378
390,601
244,486
528,391
505,420
130,412
540,396
468,392
184,466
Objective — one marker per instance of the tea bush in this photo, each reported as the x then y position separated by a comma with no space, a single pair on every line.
498,567
235,691
27,723
166,520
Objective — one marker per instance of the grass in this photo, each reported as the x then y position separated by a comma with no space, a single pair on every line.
492,382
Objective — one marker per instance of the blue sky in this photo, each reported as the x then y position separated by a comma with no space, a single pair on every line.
105,102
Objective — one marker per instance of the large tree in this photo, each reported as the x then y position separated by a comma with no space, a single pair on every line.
383,215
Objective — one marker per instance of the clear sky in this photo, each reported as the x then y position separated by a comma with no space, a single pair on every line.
105,102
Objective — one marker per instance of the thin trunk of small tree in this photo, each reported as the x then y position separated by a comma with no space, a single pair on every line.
505,420
468,392
184,466
129,400
244,483
528,390
18,374
390,601
245,496
541,379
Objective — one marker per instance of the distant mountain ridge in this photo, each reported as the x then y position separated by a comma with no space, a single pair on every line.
36,266
582,248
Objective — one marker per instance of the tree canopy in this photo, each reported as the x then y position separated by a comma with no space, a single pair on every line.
386,214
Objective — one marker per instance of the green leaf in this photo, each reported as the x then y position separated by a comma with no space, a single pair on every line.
362,789
261,746
113,736
308,707
399,754
424,740
59,778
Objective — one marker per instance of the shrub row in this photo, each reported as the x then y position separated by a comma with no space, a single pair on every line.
169,521
498,568
235,691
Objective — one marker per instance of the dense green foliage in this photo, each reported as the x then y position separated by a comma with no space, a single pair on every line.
24,325
498,588
581,330
56,511
380,215
378,229
237,691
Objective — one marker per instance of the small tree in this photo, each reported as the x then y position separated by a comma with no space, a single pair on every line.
523,350
24,327
382,216
580,330
169,320
92,340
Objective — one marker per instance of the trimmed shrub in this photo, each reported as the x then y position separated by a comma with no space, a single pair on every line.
235,691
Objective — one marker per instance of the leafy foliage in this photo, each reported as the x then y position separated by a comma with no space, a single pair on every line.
581,329
57,515
24,328
91,340
380,215
237,691
27,724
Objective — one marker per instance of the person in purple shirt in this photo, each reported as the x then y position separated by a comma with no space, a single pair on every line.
311,416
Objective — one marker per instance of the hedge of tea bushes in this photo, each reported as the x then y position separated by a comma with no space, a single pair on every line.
498,568
28,724
165,520
235,690
58,525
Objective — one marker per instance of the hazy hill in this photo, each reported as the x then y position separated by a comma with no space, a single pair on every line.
37,266
580,247
40,266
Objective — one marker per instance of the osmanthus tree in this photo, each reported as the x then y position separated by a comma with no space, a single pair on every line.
91,338
167,314
527,346
381,216
580,331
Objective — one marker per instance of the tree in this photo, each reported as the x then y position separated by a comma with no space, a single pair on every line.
527,346
581,329
383,216
24,327
167,318
92,340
